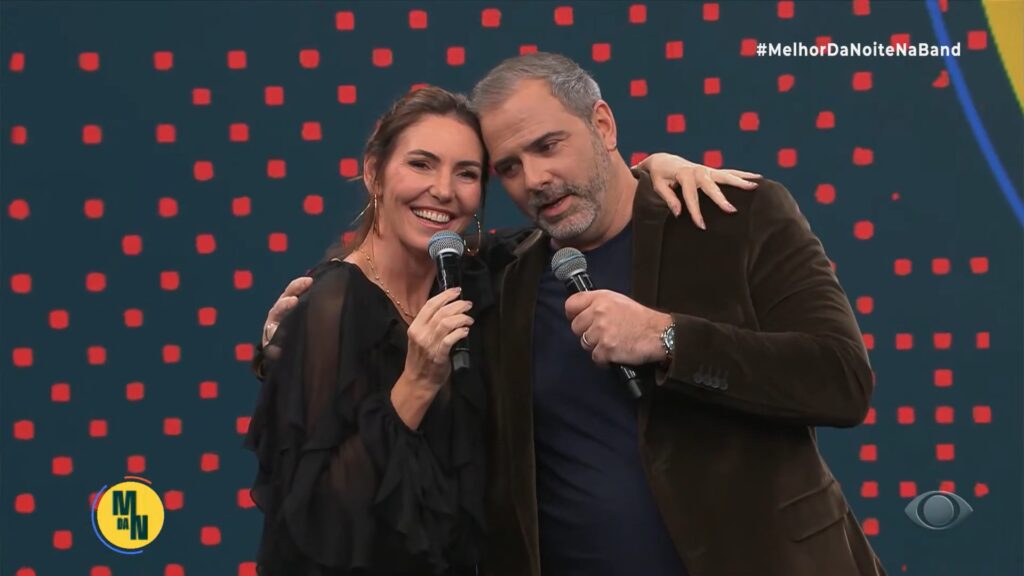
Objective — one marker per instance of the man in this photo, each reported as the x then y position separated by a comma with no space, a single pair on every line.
744,333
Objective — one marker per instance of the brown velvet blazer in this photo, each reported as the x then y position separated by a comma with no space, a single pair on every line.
767,348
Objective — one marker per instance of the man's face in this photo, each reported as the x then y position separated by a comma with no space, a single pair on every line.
552,163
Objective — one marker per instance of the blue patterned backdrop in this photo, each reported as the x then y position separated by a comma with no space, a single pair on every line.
168,167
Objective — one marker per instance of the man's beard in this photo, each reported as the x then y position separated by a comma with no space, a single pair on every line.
588,198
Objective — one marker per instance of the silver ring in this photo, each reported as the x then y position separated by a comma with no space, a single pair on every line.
585,342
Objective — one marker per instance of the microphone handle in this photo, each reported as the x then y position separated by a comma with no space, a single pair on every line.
449,275
581,282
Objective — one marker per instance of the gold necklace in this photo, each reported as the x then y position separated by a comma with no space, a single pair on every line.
380,283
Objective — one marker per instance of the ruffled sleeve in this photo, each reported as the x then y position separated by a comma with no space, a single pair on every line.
342,482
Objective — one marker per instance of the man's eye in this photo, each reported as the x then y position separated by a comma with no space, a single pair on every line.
418,164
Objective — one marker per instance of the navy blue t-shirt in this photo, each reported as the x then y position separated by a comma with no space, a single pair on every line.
597,512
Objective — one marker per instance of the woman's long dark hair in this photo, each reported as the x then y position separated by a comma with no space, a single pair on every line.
406,111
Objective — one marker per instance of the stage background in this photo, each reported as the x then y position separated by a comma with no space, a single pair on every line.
168,167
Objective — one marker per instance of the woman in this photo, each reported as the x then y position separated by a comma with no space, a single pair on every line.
370,450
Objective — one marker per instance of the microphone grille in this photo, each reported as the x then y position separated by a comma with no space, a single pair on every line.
568,262
445,241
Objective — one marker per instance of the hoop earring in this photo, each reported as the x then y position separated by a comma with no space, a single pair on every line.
479,236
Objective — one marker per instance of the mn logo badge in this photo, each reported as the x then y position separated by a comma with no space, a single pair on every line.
128,516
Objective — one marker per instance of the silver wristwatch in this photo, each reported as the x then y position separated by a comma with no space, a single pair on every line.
668,340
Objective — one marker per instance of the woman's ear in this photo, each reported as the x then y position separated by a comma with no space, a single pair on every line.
370,175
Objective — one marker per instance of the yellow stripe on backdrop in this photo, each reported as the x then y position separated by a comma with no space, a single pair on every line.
1006,20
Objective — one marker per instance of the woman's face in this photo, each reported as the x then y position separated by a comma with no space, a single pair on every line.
432,181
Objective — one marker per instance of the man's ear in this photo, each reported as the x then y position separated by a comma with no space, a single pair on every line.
604,122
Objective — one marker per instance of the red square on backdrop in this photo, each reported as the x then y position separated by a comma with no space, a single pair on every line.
944,414
904,341
237,59
787,157
59,319
863,156
826,120
169,280
785,82
871,417
238,132
869,489
62,539
382,57
527,49
637,88
171,354
98,428
456,56
418,19
201,96
982,340
902,267
637,14
861,7
95,282
942,340
163,60
209,462
344,20
89,61
945,452
862,81
243,279
908,489
136,464
347,94
869,453
273,95
490,18
943,378
870,526
202,170
748,46
601,52
134,391
92,134
174,499
244,352
313,204
674,50
209,535
24,430
244,499
96,355
675,123
62,466
977,39
865,304
784,9
749,122
60,392
207,316
133,318
172,426
17,62
905,415
712,86
241,206
93,208
979,265
18,209
242,424
348,167
309,58
902,39
208,390
166,133
563,16
277,169
982,414
131,244
713,159
19,135
206,243
24,504
246,569
277,242
312,132
710,11
21,283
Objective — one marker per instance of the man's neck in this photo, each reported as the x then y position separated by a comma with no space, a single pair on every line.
616,213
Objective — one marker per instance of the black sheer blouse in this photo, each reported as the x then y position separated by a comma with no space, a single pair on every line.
345,486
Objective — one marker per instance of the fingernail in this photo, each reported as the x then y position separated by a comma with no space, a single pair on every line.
702,225
677,211
731,207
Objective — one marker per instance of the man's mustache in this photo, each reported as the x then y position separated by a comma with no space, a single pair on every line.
541,198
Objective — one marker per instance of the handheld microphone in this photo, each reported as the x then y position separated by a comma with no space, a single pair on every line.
570,266
446,249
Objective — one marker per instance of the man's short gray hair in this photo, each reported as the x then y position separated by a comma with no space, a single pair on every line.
572,85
